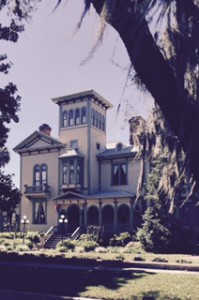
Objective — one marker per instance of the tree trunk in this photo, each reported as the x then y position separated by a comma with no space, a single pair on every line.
157,75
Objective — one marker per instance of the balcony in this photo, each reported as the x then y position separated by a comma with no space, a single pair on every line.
37,191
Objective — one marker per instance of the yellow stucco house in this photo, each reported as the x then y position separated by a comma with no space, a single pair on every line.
79,175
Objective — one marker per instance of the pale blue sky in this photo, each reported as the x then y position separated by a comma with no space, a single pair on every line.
47,63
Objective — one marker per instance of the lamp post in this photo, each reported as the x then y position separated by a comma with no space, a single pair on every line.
63,221
24,222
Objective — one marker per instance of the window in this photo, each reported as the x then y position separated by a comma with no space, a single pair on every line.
119,174
119,147
65,173
40,175
36,180
72,171
96,119
65,118
83,115
71,118
78,171
93,117
43,174
39,212
98,146
100,122
77,116
103,123
74,144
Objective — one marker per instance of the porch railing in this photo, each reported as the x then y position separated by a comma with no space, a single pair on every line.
37,189
49,233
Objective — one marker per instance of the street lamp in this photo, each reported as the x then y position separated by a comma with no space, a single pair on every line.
63,221
24,222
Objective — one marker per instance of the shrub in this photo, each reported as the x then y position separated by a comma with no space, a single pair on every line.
34,237
3,248
101,250
22,247
183,261
114,249
120,257
138,258
67,244
120,240
154,236
88,245
160,259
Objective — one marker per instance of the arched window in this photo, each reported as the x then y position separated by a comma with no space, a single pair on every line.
107,215
36,175
71,118
83,115
40,175
65,119
93,216
123,214
43,174
77,116
93,117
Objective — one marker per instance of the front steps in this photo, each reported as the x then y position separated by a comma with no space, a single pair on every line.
54,239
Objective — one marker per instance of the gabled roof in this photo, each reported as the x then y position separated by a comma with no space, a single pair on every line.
116,150
38,141
84,94
70,195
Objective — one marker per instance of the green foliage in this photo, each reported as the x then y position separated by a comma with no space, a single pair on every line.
154,235
120,240
9,108
33,236
89,245
183,261
138,258
160,259
66,245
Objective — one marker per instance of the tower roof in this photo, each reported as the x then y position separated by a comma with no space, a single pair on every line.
81,95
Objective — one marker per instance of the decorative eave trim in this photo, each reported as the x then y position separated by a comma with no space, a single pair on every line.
76,96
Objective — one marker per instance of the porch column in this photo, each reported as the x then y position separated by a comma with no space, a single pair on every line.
81,217
131,214
100,212
85,214
115,216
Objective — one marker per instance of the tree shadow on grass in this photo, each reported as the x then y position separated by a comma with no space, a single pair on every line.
61,281
154,295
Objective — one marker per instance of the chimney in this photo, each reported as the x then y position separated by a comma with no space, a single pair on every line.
46,129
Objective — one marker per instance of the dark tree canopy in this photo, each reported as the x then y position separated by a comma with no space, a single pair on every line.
9,107
165,60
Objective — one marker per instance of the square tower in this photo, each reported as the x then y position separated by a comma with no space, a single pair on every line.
82,126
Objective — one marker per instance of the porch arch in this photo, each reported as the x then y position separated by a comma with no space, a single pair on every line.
73,214
123,214
93,215
107,214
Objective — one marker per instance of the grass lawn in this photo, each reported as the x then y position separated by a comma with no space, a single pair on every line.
100,284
